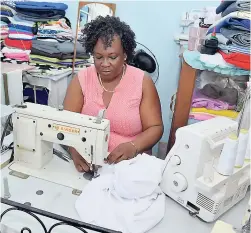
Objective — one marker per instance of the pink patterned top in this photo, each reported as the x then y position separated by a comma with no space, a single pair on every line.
123,110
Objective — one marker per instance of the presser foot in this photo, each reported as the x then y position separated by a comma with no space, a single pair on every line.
92,173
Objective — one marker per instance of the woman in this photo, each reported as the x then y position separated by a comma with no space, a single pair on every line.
128,95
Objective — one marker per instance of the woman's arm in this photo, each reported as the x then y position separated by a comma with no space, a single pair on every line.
151,118
74,98
150,113
74,101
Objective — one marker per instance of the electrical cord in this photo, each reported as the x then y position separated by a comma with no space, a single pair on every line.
5,129
10,147
154,58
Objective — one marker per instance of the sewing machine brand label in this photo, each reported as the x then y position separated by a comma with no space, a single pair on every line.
66,129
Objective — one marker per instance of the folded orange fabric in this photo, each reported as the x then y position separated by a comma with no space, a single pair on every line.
240,60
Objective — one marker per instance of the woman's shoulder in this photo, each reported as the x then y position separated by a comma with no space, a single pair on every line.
142,77
136,75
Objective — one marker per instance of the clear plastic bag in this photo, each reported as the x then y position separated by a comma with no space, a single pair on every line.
224,81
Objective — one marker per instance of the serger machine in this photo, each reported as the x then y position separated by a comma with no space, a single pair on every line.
191,177
37,127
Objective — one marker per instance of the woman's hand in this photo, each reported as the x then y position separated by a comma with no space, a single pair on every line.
79,162
124,151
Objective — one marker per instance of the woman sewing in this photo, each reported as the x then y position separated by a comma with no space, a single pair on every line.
127,93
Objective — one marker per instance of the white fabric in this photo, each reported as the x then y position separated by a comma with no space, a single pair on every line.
20,36
126,197
12,50
215,59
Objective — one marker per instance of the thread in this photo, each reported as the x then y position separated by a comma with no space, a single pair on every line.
228,156
241,150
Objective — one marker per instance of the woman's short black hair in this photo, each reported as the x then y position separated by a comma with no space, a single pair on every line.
105,28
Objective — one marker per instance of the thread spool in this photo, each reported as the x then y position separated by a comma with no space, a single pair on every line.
228,156
247,154
241,150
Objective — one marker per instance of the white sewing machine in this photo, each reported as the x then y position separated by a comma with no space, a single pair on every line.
190,177
37,127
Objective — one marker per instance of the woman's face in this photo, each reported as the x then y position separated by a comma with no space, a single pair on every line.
109,61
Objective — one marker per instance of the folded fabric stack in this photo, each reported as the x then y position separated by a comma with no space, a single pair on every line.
59,30
233,32
4,30
53,47
39,33
208,102
217,95
57,54
6,13
40,11
17,42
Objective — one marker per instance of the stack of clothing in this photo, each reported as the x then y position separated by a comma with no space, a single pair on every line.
53,46
6,13
40,11
4,30
21,34
39,34
217,95
19,41
59,30
233,32
18,36
57,54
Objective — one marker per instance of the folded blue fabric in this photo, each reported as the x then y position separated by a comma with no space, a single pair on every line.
237,6
234,48
40,5
21,27
237,37
223,6
7,13
9,4
11,29
235,23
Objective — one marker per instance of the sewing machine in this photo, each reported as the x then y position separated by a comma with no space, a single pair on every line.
38,127
223,227
190,177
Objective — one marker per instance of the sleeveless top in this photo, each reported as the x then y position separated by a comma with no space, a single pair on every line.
123,110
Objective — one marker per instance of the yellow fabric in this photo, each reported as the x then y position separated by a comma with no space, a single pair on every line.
52,59
222,227
227,113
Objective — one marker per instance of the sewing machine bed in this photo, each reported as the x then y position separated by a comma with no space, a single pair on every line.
59,199
56,171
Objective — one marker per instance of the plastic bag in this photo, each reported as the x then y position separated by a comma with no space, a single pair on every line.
224,81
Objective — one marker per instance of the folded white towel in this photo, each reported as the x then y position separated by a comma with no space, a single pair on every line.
126,197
